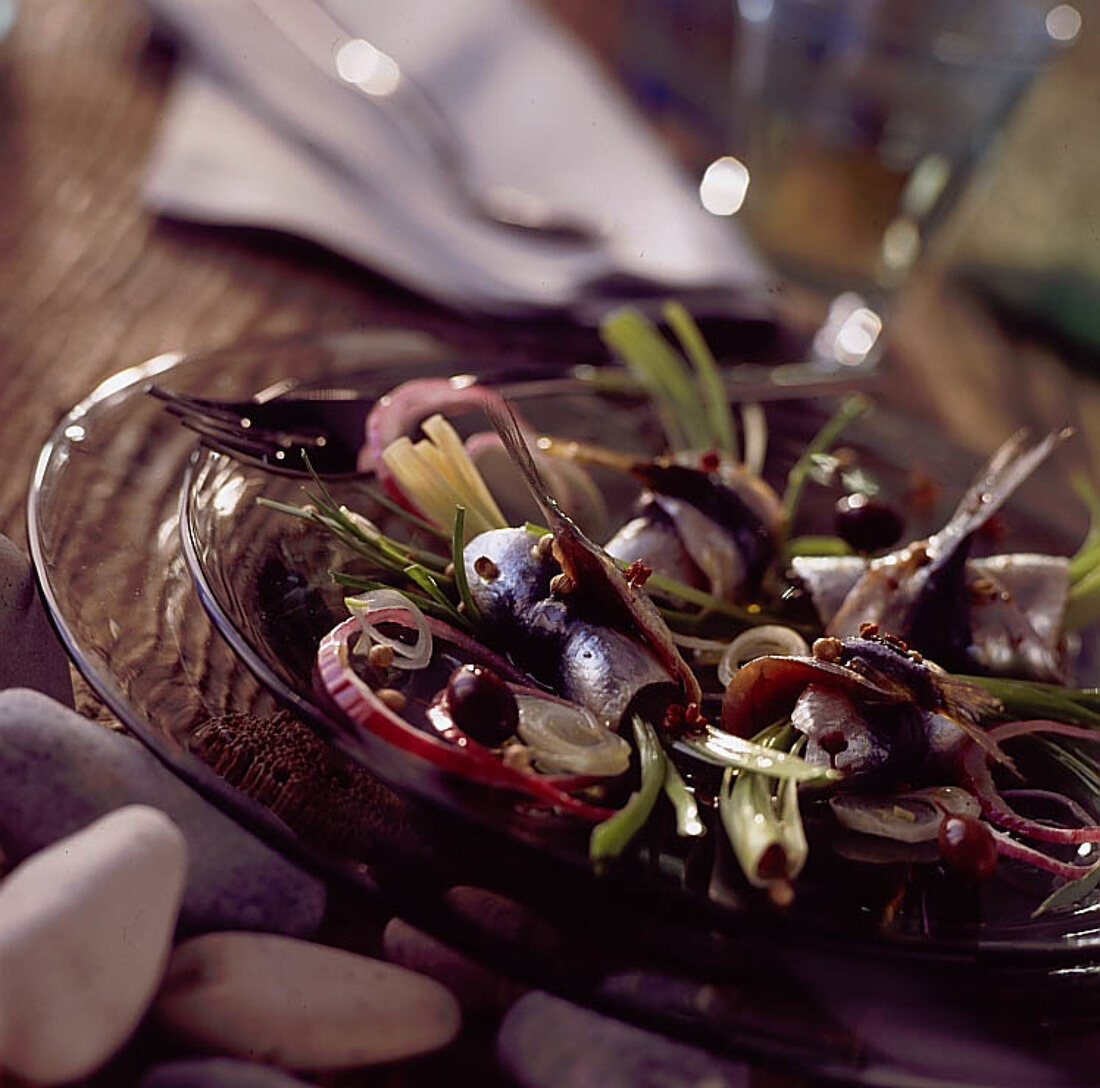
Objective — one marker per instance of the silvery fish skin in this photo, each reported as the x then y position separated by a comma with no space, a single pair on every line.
597,588
1001,615
867,706
652,538
724,525
876,742
581,659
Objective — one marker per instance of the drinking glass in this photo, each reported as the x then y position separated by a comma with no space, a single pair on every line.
861,121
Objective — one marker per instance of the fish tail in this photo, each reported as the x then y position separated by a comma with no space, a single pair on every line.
1005,471
968,705
506,424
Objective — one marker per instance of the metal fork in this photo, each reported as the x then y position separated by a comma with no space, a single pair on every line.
322,431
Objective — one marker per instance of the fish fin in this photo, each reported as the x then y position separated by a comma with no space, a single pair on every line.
1005,471
968,705
507,426
582,559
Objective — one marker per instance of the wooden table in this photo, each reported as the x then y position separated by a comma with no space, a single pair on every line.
91,283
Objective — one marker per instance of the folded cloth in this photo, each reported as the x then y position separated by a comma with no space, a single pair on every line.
257,133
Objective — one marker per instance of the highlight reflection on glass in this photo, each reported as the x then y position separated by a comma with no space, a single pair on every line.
860,124
1063,23
850,331
367,67
724,186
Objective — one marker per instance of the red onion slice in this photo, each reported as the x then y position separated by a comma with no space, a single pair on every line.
402,408
470,760
978,778
1017,851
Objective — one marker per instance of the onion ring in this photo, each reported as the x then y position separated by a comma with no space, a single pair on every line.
974,769
362,707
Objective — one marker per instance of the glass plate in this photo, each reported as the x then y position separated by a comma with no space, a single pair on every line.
105,538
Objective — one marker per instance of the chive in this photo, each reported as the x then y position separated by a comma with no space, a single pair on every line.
1083,603
707,377
400,553
850,409
688,823
1084,767
610,838
423,578
1024,699
1075,758
396,508
427,605
815,545
1087,557
326,500
749,615
380,550
660,369
727,750
458,560
1070,893
285,508
606,379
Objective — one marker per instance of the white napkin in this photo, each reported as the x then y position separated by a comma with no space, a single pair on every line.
255,134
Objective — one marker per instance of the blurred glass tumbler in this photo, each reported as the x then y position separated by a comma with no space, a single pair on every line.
861,121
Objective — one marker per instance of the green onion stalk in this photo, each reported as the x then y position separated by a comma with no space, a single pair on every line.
761,817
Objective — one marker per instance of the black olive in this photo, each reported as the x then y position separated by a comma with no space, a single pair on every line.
866,524
481,705
967,845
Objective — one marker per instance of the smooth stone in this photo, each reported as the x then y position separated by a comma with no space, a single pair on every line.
85,931
217,1073
300,1005
545,1042
58,772
480,991
507,922
33,656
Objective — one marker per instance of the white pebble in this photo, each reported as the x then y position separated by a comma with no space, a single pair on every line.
300,1005
85,931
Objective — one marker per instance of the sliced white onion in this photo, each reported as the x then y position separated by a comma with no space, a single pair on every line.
914,816
413,655
754,426
706,651
770,639
566,738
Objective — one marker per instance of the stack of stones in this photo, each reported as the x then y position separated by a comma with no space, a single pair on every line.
148,940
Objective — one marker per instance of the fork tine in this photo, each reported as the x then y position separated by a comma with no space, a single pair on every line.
183,406
276,433
234,427
289,460
232,441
